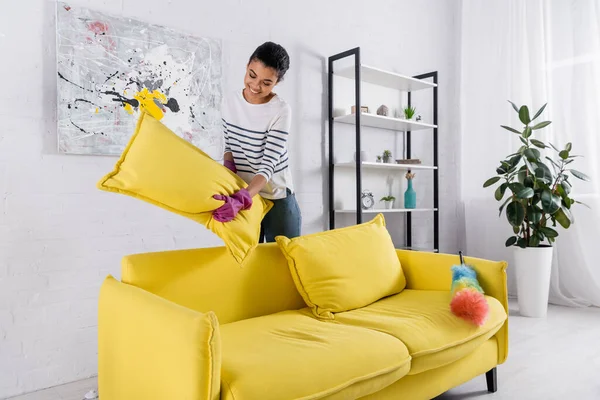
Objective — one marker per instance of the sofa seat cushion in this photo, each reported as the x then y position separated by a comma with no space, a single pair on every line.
293,355
422,320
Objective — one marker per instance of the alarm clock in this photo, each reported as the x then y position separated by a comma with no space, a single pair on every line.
367,200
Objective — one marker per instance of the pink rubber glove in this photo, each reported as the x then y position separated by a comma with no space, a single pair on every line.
240,200
231,165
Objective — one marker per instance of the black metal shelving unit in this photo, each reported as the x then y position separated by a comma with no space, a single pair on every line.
385,123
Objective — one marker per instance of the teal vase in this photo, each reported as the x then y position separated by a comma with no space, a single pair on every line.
410,196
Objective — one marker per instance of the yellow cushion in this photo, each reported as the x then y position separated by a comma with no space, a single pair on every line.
345,268
293,355
142,337
161,168
422,320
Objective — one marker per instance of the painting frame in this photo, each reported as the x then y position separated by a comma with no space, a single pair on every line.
110,68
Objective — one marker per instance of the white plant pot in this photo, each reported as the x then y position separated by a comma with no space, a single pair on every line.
389,205
533,266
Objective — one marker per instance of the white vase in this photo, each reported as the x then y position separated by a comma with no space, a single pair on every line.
389,205
533,266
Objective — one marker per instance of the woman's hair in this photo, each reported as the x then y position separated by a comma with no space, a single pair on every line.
273,56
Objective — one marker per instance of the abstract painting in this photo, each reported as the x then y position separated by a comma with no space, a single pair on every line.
110,69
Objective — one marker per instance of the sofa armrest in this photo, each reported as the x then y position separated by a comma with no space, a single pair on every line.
149,347
430,271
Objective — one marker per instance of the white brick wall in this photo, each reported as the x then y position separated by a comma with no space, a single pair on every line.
60,236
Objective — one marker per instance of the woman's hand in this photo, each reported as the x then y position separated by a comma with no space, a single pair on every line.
240,200
231,166
229,162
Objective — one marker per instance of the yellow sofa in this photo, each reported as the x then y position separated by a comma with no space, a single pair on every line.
194,325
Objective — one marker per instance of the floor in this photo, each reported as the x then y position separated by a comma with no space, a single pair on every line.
72,391
553,358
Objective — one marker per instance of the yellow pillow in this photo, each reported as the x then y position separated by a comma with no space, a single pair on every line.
344,269
159,167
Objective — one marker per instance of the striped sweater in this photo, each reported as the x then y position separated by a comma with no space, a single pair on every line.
257,136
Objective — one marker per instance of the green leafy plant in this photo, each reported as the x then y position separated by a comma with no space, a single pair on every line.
378,158
388,198
537,185
387,155
409,112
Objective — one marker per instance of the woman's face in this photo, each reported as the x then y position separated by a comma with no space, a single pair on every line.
259,82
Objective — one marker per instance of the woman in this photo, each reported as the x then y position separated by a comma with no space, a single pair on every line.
257,123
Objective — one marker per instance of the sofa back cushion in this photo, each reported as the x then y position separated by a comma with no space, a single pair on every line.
163,169
210,279
344,269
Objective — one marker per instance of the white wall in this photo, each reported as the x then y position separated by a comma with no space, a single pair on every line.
60,236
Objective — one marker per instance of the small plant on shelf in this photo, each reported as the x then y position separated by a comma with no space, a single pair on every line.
387,156
409,112
378,159
389,201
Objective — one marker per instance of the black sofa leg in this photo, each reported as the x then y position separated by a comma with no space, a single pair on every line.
492,380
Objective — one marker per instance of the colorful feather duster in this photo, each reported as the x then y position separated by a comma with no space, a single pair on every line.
468,301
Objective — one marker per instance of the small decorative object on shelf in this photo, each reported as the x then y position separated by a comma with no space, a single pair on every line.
387,156
383,110
389,202
409,112
379,159
418,118
363,109
408,161
410,196
367,200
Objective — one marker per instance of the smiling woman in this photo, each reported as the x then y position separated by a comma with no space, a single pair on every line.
256,125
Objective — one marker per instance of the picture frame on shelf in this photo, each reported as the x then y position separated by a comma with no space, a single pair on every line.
363,109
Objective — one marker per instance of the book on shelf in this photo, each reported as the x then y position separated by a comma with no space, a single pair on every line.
408,161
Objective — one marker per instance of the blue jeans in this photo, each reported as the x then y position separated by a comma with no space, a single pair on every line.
283,219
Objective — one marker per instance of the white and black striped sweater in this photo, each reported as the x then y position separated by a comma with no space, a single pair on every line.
257,136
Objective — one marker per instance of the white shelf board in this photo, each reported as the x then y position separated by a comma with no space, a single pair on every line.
379,121
380,77
375,165
393,210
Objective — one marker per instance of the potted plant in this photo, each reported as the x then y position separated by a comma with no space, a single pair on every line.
539,196
389,201
378,159
387,156
409,112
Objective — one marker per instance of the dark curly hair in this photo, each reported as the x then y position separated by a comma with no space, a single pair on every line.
273,56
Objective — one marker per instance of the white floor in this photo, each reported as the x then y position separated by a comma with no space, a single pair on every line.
556,358
553,358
